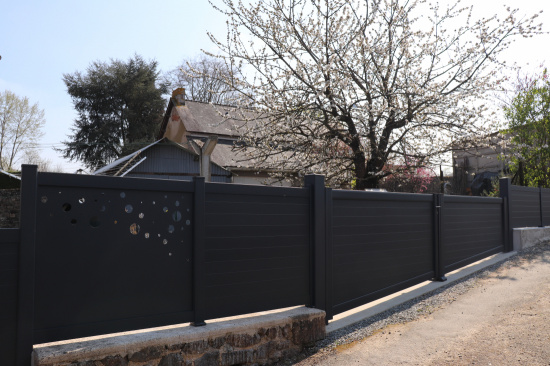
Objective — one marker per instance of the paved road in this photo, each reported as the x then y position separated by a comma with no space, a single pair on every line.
503,320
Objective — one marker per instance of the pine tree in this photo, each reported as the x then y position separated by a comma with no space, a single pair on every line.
119,106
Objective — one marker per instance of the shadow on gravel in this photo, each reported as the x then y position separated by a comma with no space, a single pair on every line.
506,278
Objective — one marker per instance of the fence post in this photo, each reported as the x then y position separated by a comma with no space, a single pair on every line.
316,185
439,270
505,225
26,281
540,205
329,256
198,252
505,189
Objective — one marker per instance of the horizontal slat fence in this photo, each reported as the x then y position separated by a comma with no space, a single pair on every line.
9,260
545,206
382,243
97,255
256,248
472,229
525,207
111,259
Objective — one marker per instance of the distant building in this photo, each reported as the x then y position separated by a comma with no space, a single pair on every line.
192,123
10,198
195,139
472,161
163,159
9,180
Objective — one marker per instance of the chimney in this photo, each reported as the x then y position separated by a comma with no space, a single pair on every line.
178,95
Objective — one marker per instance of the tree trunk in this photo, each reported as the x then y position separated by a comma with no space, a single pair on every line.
521,176
371,182
359,170
366,182
366,174
370,178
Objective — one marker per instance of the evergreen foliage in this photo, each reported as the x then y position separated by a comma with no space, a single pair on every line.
119,106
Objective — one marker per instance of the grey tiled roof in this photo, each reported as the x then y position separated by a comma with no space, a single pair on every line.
210,119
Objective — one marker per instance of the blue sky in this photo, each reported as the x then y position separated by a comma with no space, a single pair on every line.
42,40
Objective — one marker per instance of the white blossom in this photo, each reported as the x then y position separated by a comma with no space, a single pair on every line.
347,88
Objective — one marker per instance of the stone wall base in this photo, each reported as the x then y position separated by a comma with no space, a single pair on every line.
257,340
10,208
526,237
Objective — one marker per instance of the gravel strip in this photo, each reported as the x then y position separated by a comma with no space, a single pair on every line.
413,309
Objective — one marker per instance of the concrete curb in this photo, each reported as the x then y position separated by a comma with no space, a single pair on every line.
379,306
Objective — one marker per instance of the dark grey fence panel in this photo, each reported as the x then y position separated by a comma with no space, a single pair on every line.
111,254
472,229
382,243
9,248
524,207
256,248
111,258
545,206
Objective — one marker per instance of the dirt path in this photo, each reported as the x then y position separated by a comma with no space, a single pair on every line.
504,320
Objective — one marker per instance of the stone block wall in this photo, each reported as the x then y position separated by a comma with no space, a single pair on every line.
10,207
261,340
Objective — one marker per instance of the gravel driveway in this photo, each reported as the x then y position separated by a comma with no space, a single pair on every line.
500,316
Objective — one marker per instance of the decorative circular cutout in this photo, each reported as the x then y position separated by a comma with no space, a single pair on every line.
176,216
134,229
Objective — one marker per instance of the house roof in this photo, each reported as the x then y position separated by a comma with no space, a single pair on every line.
127,163
189,121
198,118
10,175
225,155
